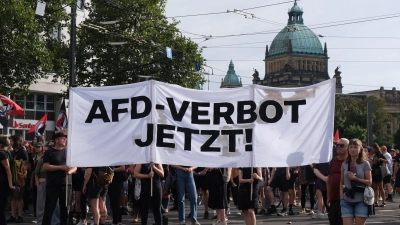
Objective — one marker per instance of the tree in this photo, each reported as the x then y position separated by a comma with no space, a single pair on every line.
146,32
29,50
351,118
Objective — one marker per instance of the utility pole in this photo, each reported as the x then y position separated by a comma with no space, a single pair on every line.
72,46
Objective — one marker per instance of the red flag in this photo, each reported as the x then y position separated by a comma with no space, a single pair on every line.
336,138
40,126
9,108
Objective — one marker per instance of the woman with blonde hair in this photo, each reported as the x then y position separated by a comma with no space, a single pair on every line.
356,169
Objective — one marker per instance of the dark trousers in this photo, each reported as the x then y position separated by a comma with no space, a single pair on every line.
311,191
154,201
114,191
3,202
83,206
54,193
335,215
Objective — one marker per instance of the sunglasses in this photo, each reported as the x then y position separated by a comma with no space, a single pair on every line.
341,145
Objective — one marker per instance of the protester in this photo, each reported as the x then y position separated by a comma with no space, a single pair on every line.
248,179
387,179
218,197
114,192
279,179
96,193
261,190
5,177
376,159
396,173
294,174
321,171
78,179
333,184
307,180
202,182
19,153
40,181
357,169
234,189
150,175
58,173
185,181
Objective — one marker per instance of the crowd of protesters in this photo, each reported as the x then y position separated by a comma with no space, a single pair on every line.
64,195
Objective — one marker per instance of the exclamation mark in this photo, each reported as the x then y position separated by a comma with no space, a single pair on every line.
249,139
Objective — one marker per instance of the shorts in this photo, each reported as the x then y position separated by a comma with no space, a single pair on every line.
95,192
280,182
377,178
18,192
352,209
202,182
387,179
397,182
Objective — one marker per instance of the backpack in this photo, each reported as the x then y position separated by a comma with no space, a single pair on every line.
18,172
104,178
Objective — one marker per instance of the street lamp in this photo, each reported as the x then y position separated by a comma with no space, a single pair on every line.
212,73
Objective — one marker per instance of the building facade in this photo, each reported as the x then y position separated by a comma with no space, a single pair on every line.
296,57
231,80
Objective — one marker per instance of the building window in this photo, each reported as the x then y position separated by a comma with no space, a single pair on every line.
36,105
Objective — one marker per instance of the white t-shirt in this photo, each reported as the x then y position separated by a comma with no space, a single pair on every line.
390,164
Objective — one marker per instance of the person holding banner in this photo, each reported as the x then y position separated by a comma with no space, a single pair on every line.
219,178
248,192
54,162
150,175
185,181
280,178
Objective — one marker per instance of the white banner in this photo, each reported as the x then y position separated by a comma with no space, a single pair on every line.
242,127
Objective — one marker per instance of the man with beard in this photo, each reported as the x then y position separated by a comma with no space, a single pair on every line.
54,162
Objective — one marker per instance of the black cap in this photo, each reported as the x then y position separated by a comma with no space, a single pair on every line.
39,144
59,134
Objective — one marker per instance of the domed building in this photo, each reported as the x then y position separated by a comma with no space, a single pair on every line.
231,80
296,56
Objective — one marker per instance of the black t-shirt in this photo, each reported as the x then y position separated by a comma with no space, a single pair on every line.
323,168
280,171
3,173
146,169
57,158
20,154
247,174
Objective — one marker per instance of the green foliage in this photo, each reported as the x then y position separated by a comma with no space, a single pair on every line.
28,52
146,31
351,118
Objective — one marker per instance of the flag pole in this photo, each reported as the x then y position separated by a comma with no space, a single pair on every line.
251,185
151,184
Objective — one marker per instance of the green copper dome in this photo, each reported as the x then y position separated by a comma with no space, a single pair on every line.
296,37
231,77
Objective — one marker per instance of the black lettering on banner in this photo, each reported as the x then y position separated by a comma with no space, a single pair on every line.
196,112
241,112
134,105
115,110
278,111
97,104
177,116
249,139
188,137
149,140
206,147
231,138
161,135
295,108
226,115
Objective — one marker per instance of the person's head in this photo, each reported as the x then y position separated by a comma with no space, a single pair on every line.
38,139
365,149
355,150
4,141
17,141
38,147
392,152
60,140
383,149
341,146
375,149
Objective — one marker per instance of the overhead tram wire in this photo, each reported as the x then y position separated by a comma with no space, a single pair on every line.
216,13
263,47
341,61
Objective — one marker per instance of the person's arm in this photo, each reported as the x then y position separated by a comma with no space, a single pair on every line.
383,160
158,169
242,181
328,198
320,175
48,167
396,166
341,184
88,174
71,170
138,175
272,175
287,173
6,166
257,176
36,180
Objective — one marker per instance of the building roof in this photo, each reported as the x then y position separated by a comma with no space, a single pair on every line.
231,77
296,38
